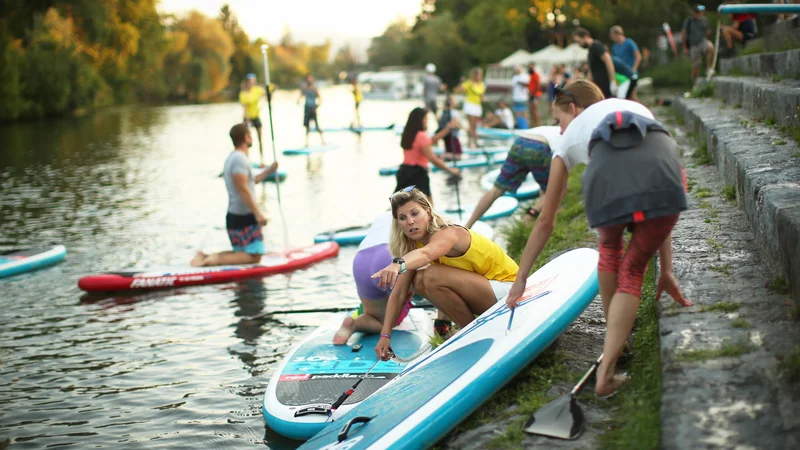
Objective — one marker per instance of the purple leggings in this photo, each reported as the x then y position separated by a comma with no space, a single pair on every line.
365,264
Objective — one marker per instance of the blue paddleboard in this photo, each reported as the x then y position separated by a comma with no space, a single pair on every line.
477,150
354,235
436,392
257,169
502,207
316,372
527,190
465,163
357,129
495,133
310,150
19,261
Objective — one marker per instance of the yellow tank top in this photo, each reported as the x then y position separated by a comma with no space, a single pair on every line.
357,94
250,100
483,257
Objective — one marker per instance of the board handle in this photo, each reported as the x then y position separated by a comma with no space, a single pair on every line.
346,429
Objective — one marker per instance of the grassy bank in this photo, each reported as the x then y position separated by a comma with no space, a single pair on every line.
634,412
677,74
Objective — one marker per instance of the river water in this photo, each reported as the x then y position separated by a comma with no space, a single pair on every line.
138,187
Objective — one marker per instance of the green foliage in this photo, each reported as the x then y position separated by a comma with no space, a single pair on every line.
703,193
729,193
706,90
677,73
728,349
779,285
790,366
721,307
438,41
390,48
637,416
740,322
701,154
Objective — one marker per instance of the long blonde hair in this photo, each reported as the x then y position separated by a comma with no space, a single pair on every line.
399,243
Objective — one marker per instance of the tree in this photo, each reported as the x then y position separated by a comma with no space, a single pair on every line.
210,49
438,41
390,48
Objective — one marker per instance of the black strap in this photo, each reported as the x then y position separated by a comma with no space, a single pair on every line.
346,429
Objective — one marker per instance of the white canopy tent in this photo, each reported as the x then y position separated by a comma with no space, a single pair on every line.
519,57
571,55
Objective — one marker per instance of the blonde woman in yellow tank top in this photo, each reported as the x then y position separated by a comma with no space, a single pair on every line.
461,272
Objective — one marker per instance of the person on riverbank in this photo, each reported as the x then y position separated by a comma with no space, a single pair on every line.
458,270
418,152
532,152
452,145
600,64
372,255
534,94
694,38
358,97
431,87
519,96
250,98
313,99
626,50
633,180
501,118
474,88
244,221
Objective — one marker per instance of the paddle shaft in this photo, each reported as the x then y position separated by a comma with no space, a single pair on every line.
449,144
586,376
316,310
342,398
274,151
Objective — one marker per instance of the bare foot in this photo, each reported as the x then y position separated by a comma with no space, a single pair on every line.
610,386
198,259
344,333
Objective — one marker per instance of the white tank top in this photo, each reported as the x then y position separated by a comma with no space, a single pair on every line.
379,232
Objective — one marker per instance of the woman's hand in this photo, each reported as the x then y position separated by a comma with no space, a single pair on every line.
517,289
454,171
669,284
382,350
388,276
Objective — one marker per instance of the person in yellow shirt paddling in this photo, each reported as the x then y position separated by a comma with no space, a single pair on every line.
358,96
250,97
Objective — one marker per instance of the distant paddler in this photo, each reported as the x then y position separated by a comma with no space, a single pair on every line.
358,96
311,94
250,96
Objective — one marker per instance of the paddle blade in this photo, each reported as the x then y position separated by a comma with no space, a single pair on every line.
562,418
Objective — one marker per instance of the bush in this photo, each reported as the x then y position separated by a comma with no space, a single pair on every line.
677,73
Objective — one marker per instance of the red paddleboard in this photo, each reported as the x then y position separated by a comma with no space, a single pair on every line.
137,279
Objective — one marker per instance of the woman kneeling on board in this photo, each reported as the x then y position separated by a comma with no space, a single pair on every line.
373,254
458,270
633,180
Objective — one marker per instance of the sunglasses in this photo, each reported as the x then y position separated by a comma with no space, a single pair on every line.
559,91
405,189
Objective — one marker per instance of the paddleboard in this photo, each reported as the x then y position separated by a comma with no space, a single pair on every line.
13,262
357,129
315,373
436,392
495,133
140,279
354,235
502,207
465,163
527,190
310,150
257,169
477,150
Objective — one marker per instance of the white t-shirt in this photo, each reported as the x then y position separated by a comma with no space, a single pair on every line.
506,116
379,232
574,145
519,92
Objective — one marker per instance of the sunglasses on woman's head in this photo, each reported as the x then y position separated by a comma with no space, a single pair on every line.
559,91
405,189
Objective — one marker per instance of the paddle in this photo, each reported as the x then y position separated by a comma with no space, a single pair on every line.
449,144
272,135
316,310
562,418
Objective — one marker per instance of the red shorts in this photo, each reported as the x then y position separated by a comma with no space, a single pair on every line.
631,264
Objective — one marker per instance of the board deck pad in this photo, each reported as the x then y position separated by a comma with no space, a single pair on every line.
316,372
437,391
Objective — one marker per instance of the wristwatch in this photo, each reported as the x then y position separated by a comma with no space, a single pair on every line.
402,264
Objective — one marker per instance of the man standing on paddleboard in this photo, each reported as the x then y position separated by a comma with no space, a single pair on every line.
244,220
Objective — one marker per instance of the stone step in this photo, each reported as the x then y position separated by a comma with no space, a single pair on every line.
775,101
784,64
764,167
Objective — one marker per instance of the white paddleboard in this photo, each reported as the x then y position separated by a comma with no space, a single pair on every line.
502,207
436,392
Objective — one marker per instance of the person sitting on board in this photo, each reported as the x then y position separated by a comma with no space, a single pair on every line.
358,96
474,88
418,151
501,118
452,146
458,270
578,109
250,97
244,220
634,179
532,152
310,92
373,254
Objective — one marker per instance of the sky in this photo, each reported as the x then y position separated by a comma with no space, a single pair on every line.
343,21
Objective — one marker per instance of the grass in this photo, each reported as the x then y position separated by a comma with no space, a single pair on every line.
703,91
778,285
636,421
677,74
776,78
701,154
714,244
754,48
728,349
571,229
789,368
690,184
780,142
724,269
793,132
729,193
703,193
722,307
741,323
796,155
770,121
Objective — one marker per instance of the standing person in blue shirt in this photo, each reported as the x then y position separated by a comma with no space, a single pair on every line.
628,52
310,92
